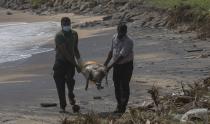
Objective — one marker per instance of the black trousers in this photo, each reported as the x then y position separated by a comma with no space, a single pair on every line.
64,75
122,74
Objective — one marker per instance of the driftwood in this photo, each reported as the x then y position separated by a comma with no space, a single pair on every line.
195,50
192,96
183,99
48,105
154,95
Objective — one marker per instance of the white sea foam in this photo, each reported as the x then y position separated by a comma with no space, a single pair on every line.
22,40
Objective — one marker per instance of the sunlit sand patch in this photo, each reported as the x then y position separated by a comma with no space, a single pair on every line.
146,44
85,33
28,17
166,80
154,56
13,82
17,78
33,67
163,80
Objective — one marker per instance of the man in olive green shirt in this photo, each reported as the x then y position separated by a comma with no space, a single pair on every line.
67,57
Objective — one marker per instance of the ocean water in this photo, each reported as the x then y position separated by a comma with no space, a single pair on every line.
22,40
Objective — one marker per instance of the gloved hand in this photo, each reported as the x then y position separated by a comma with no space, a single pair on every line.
80,62
78,68
108,68
105,64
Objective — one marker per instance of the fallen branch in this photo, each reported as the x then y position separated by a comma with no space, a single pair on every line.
195,50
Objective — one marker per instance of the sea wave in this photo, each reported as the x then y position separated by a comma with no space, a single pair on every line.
22,40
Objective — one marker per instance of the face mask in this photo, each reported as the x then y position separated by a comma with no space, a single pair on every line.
66,28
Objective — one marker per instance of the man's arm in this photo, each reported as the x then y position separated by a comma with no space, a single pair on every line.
76,50
77,54
109,57
110,54
116,61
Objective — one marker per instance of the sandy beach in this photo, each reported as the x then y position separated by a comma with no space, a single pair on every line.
160,57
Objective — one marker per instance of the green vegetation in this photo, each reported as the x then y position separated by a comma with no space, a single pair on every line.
193,14
37,3
204,4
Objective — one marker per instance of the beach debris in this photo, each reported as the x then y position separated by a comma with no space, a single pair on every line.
148,122
75,108
139,81
147,105
189,103
183,99
204,55
9,13
84,6
119,1
97,97
191,57
195,50
46,105
106,18
154,95
196,114
206,82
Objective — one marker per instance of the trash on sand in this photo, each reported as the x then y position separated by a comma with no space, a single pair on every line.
48,105
97,97
200,114
76,108
195,50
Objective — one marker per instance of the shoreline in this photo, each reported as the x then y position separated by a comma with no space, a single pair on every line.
20,17
7,78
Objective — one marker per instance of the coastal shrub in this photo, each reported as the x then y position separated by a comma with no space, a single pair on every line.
37,3
194,17
187,15
204,4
